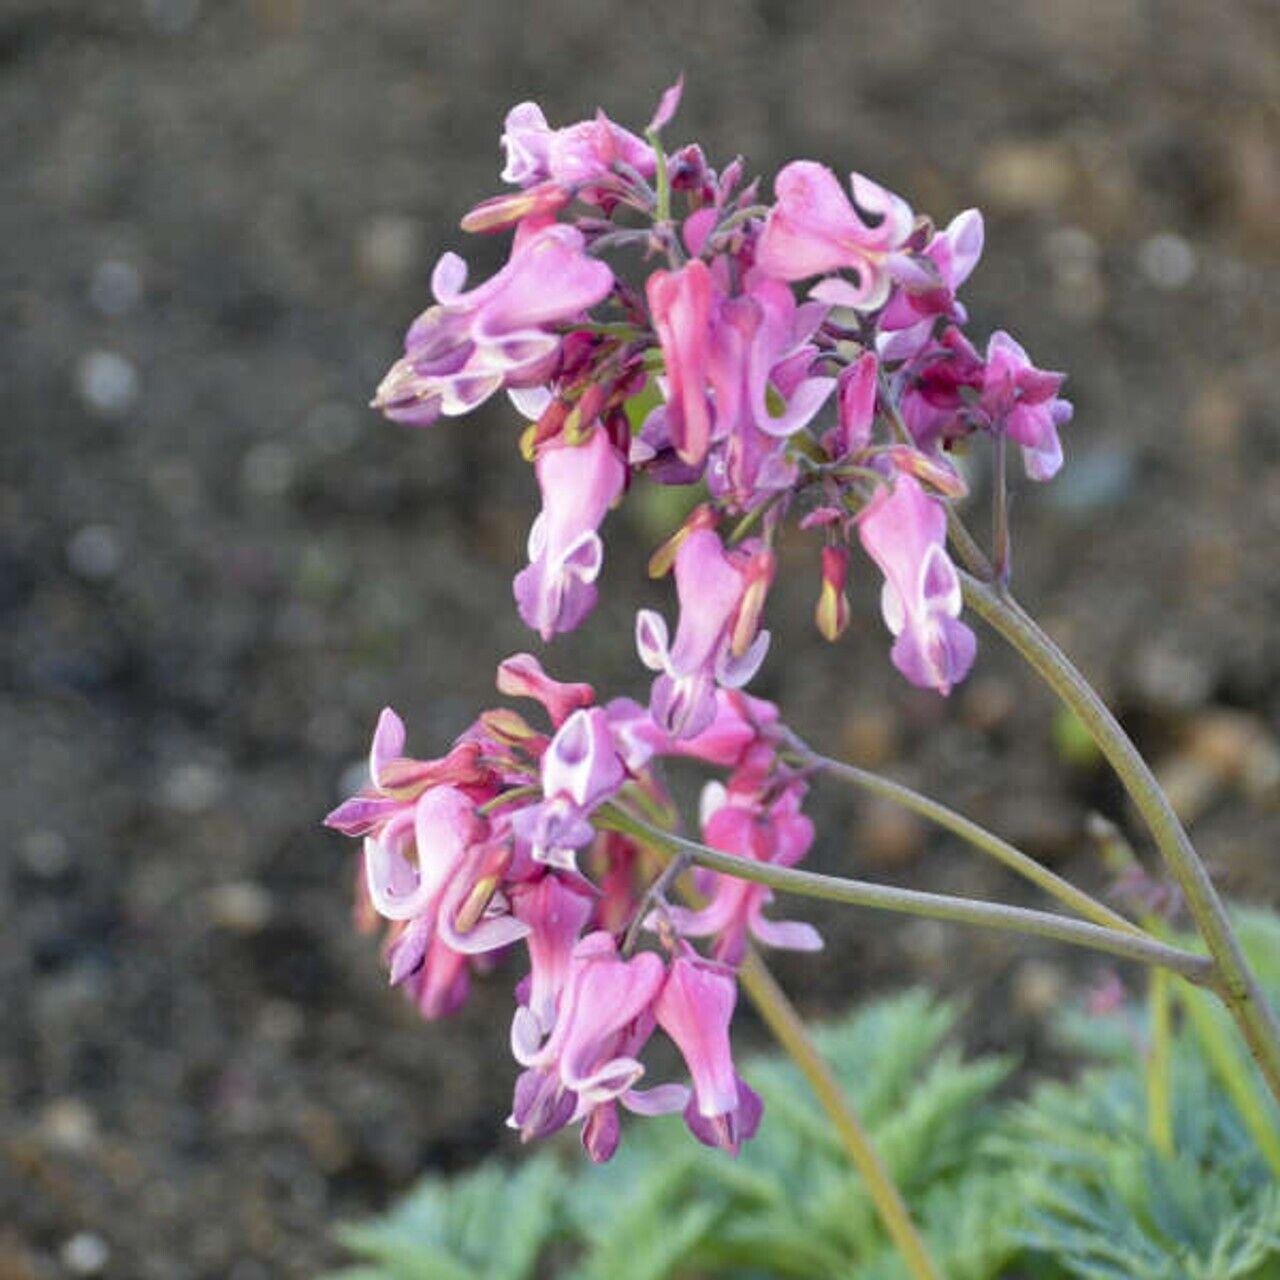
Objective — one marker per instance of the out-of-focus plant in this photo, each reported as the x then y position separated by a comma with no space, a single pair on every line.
803,361
1067,1182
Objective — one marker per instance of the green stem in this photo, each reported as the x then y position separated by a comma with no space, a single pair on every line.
1234,979
662,179
979,837
788,1029
937,906
1159,1099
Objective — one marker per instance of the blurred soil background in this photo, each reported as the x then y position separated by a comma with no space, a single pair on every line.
216,564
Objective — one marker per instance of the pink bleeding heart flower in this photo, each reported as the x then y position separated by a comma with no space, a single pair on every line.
718,640
744,825
589,1061
937,388
442,866
1022,401
927,282
581,769
582,154
856,409
814,229
459,352
556,912
579,483
396,780
522,676
904,531
681,306
694,1008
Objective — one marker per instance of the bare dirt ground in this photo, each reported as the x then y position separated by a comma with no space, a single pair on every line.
216,565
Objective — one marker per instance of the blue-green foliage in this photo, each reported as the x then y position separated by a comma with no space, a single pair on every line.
1065,1183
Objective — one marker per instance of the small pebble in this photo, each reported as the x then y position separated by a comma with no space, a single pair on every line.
85,1254
240,906
1038,988
115,288
191,788
95,552
107,382
388,248
68,1125
1168,261
46,853
267,470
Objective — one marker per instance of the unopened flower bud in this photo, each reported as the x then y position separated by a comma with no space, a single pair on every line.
832,612
701,517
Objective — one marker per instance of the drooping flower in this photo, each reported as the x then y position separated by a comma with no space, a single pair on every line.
396,780
927,283
718,640
522,676
459,352
904,531
579,483
694,1008
1022,401
581,769
741,823
681,304
589,1061
556,911
814,229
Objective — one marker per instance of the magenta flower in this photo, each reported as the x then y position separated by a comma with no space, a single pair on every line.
581,769
904,531
813,230
927,282
522,676
589,1060
1022,401
579,483
578,155
718,640
694,1008
938,386
856,409
556,912
681,305
396,780
441,866
777,833
459,352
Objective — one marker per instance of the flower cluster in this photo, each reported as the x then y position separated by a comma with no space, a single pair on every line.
805,358
493,844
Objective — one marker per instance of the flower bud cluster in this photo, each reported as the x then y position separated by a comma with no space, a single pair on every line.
805,358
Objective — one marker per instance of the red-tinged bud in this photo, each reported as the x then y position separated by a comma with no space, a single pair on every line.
702,516
546,428
832,612
935,472
507,727
582,417
503,212
759,577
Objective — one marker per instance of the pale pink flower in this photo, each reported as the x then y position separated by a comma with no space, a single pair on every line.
776,833
718,640
694,1008
582,154
904,531
814,229
459,352
1022,402
589,1061
579,483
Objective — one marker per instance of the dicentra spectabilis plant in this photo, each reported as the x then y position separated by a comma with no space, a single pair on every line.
802,360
